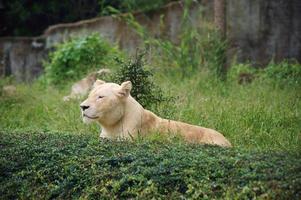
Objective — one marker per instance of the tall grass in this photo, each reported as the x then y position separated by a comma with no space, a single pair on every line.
258,115
36,108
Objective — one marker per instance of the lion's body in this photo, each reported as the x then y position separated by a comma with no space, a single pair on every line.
122,116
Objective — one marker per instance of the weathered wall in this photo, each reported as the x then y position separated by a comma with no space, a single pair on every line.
264,30
116,30
257,30
22,57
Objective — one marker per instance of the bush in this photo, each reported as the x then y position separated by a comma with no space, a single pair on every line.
241,72
75,58
79,166
145,91
284,73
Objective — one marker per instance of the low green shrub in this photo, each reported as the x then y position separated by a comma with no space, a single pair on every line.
68,166
144,90
284,73
237,72
73,59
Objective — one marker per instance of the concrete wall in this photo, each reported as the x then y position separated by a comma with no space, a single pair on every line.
116,30
22,57
261,30
257,30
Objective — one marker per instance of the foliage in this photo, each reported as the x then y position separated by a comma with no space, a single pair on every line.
236,70
213,52
144,90
122,6
31,18
75,58
197,50
199,47
67,166
284,73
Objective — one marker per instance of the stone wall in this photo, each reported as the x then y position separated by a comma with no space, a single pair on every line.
257,30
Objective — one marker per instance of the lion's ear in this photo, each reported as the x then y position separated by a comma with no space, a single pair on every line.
97,83
125,89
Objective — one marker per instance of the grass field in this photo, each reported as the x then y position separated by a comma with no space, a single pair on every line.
47,152
254,116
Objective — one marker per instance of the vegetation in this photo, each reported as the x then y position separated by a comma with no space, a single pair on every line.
286,73
145,91
32,18
67,166
47,152
259,115
122,6
201,47
75,58
28,18
72,60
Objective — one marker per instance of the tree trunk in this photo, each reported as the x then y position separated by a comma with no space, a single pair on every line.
220,16
220,23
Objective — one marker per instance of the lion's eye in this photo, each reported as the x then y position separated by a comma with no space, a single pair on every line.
100,97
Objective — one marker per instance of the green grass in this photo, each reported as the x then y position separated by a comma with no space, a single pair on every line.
46,151
37,165
37,108
254,116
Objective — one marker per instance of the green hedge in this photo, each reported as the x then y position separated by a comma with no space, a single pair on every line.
65,166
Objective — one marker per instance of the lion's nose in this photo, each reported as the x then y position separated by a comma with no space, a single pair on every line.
84,107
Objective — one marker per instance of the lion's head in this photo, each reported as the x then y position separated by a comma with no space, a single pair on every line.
106,102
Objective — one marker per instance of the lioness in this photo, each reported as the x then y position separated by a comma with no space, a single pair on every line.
120,115
83,86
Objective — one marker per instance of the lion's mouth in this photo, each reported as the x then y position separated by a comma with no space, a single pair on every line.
90,117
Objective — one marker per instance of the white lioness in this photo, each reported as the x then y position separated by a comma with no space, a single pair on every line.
121,116
82,87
